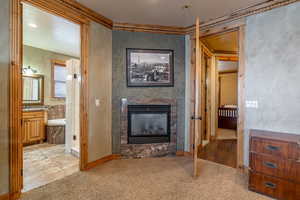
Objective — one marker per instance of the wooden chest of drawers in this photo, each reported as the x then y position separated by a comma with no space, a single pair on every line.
275,164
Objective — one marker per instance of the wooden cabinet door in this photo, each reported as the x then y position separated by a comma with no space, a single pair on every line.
25,131
33,128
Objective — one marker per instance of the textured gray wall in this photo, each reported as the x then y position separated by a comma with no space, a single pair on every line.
273,71
4,97
100,78
123,40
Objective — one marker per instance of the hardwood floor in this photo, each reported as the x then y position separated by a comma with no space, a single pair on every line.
226,134
45,163
220,151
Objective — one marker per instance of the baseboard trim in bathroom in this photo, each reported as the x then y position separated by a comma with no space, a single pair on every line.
75,152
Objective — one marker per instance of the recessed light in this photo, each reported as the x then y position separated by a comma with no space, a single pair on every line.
32,25
187,6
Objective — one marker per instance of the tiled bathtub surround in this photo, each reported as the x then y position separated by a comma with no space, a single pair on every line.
147,150
56,134
57,112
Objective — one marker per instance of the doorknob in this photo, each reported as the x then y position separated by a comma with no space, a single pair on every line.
196,118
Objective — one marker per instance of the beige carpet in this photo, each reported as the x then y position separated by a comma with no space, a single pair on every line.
166,178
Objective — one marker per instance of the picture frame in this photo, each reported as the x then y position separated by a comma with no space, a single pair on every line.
149,67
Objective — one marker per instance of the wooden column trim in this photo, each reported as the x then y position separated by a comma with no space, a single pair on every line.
84,97
241,98
197,97
16,147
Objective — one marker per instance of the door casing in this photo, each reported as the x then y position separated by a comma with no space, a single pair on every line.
16,56
241,93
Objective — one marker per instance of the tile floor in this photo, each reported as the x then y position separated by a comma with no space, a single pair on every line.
45,163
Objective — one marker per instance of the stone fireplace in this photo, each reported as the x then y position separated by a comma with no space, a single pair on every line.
148,127
148,124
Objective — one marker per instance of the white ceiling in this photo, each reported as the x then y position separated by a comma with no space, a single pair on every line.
165,12
52,33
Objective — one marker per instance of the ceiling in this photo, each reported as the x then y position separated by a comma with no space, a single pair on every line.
165,12
223,43
49,32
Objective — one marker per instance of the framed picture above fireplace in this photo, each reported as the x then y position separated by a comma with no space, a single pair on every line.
150,68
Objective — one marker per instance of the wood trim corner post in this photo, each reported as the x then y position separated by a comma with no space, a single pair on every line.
15,117
241,98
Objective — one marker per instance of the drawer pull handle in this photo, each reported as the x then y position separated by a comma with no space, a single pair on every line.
270,185
270,165
272,148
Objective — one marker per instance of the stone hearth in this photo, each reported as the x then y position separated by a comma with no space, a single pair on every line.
147,150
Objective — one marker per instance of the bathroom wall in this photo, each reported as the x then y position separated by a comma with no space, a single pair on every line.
4,97
273,71
100,88
123,40
41,60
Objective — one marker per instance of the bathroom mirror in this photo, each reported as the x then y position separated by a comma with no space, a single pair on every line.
33,89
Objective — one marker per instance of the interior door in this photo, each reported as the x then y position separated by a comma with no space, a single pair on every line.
197,105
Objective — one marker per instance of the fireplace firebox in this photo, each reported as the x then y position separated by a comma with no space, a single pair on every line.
148,124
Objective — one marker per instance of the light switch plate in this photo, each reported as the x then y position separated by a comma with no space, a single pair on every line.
97,102
252,104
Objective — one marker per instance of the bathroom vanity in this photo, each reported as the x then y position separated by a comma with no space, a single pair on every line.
34,126
34,116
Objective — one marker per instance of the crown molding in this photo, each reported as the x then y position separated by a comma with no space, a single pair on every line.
237,18
227,22
174,30
87,12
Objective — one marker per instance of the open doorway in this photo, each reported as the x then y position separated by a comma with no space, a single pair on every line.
51,97
219,98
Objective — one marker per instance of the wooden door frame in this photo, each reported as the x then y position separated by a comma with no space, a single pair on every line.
207,98
241,89
221,57
16,57
205,51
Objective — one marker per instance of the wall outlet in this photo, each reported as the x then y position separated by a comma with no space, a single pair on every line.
252,104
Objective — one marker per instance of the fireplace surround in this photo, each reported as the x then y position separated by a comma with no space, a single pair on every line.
148,127
148,124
